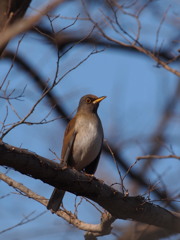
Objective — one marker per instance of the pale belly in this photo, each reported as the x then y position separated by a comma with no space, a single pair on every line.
87,145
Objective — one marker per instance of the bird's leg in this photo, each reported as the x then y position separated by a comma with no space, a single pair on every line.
63,164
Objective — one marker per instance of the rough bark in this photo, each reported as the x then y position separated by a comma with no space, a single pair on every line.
134,208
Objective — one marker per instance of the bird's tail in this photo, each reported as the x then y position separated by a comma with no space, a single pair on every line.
55,200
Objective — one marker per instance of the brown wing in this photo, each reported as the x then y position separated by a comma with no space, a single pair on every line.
91,168
69,137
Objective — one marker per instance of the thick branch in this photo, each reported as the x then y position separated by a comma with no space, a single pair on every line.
10,11
25,24
59,109
135,208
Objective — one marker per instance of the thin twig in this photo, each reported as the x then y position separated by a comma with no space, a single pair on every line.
158,157
66,215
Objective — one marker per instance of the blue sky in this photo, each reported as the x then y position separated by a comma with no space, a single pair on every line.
137,92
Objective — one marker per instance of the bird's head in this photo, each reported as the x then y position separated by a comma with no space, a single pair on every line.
90,103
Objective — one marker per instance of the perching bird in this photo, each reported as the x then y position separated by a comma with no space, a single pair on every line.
82,144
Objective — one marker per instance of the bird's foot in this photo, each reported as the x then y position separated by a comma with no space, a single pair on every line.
89,175
63,165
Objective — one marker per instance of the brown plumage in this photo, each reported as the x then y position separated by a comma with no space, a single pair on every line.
82,143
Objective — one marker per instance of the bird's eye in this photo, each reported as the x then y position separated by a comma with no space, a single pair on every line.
88,100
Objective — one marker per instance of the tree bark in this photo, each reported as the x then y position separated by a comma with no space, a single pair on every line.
134,208
10,11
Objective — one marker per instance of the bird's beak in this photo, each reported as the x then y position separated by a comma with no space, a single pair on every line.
99,99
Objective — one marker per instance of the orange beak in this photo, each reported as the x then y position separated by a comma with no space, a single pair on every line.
99,99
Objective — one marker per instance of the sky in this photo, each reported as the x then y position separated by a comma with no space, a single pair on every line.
136,91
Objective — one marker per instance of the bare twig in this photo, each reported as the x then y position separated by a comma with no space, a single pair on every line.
13,60
158,157
124,190
56,80
28,218
159,28
139,47
66,215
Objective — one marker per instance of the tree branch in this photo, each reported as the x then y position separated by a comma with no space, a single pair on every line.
59,109
25,24
158,157
10,11
135,208
140,231
64,39
100,229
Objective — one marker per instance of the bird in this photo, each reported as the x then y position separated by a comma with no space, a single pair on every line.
82,143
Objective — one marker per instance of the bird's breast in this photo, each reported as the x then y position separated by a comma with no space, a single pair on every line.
88,142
